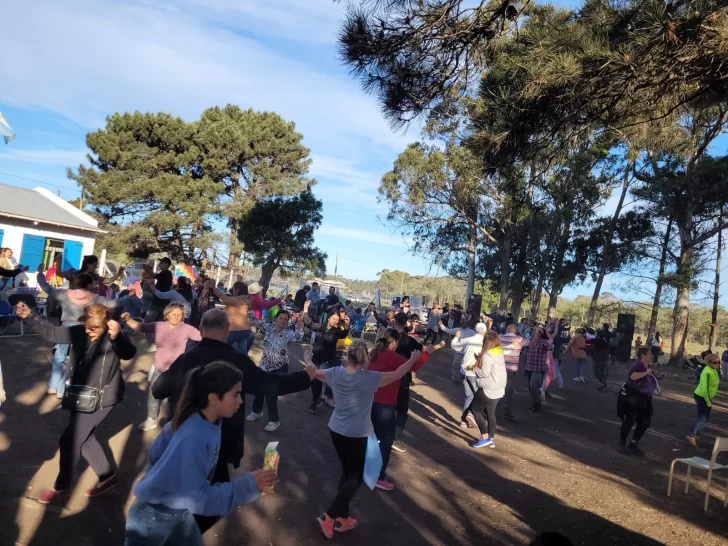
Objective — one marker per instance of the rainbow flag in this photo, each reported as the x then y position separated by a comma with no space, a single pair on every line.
182,270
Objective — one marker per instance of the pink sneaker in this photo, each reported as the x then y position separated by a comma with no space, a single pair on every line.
385,485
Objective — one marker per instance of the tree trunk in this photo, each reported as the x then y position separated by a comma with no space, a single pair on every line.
608,248
505,269
716,293
684,272
660,281
235,246
557,284
536,299
472,245
517,285
266,273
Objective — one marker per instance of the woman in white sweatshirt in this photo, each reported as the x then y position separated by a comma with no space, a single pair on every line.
469,347
491,378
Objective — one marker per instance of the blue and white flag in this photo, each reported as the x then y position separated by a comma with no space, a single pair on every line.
5,130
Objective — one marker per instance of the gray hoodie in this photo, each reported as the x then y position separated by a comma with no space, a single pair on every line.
72,302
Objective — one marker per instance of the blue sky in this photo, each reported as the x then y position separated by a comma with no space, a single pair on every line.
68,65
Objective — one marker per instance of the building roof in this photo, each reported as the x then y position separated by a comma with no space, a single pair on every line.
42,206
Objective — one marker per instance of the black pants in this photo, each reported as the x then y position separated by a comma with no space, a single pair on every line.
384,418
221,475
508,398
317,386
270,395
601,371
643,417
427,336
79,439
483,409
352,453
403,398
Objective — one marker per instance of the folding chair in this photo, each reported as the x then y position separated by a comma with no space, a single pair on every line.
721,444
370,325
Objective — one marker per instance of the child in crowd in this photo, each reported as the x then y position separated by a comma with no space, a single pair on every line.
182,462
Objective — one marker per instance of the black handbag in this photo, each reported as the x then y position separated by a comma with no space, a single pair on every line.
83,398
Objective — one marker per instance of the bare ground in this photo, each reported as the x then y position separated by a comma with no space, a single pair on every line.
558,470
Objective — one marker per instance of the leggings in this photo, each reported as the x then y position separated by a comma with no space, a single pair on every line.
643,417
317,386
403,398
79,439
153,404
483,409
352,454
269,394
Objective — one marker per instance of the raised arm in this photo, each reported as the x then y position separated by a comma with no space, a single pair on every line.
46,330
42,282
391,377
144,327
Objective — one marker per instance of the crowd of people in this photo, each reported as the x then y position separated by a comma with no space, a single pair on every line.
201,366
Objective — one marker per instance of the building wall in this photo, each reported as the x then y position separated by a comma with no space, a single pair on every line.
14,229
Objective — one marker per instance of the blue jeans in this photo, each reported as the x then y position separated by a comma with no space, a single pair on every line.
470,386
158,525
241,340
58,373
580,367
703,415
4,281
535,382
384,419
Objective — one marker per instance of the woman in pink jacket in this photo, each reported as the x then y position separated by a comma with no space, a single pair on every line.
257,302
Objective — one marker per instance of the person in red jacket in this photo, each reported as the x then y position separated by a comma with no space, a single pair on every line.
383,358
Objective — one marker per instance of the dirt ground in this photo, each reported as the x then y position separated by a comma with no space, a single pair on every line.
557,471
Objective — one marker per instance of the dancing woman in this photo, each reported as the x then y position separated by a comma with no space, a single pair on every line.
97,348
171,336
491,378
351,425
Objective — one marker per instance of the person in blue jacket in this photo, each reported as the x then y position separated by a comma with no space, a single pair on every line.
182,462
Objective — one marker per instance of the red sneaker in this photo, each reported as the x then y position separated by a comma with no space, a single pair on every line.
327,525
344,525
385,485
53,496
102,487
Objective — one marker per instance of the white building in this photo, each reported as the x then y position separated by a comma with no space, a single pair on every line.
37,224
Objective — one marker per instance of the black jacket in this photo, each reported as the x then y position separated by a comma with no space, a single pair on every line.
300,300
324,348
93,364
10,273
170,383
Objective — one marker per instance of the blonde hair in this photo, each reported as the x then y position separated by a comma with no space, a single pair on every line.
97,314
171,307
357,353
490,341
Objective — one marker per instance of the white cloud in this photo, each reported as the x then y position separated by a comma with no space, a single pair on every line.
65,158
86,59
363,235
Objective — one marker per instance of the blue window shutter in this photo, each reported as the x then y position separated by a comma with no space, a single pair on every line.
31,253
72,251
2,233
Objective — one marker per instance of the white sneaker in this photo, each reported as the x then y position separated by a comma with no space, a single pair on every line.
254,416
148,424
330,402
576,379
271,426
582,380
153,348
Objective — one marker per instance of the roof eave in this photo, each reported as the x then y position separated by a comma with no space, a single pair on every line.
60,224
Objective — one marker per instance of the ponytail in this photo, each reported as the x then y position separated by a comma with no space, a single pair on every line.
357,353
216,377
390,335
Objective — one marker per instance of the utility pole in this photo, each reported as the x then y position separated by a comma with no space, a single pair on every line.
401,285
336,267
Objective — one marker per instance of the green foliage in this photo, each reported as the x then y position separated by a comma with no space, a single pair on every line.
253,156
278,233
147,187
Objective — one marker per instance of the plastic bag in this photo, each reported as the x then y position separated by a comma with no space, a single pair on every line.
372,462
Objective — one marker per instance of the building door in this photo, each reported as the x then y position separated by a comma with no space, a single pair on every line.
31,253
72,251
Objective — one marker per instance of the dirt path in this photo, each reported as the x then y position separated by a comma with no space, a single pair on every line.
555,471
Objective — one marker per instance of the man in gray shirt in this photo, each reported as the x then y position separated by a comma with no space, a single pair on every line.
433,323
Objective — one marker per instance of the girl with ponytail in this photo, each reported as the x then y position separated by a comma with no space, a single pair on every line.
384,358
351,424
182,462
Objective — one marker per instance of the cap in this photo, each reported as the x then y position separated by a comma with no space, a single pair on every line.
481,328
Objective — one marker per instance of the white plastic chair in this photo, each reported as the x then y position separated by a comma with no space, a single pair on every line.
370,325
721,444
